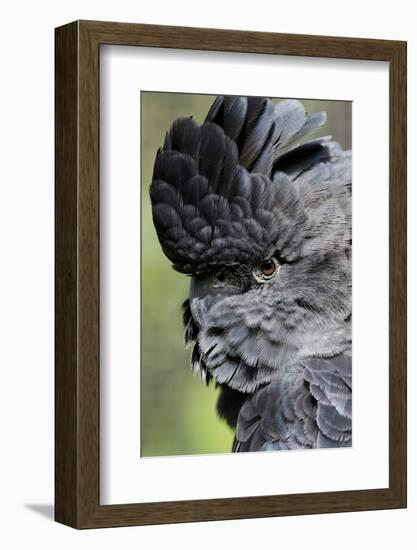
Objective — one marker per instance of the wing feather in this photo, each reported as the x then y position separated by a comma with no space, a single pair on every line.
293,412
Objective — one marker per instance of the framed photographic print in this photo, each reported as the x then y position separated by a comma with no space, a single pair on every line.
230,274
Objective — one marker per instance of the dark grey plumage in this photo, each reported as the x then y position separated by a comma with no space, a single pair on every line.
228,196
309,406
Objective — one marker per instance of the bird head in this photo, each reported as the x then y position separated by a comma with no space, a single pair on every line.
264,234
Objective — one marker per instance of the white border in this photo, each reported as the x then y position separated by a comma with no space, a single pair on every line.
124,476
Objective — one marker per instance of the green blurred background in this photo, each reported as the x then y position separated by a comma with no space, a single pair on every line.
177,411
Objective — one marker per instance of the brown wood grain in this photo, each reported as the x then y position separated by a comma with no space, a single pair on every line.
66,237
77,343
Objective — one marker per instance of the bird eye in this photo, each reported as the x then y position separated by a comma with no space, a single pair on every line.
266,270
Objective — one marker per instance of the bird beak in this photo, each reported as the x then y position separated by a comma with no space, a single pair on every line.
204,295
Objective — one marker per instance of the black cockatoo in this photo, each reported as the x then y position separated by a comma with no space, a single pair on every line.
262,224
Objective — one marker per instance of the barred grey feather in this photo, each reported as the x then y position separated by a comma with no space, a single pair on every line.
289,414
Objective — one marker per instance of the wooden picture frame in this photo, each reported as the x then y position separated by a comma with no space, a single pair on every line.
77,404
